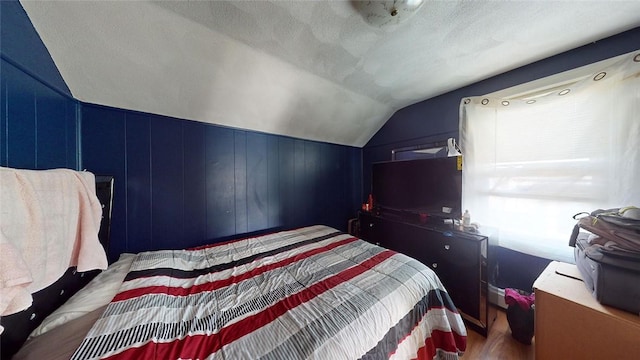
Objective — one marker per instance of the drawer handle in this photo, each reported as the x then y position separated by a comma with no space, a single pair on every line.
447,247
371,225
434,265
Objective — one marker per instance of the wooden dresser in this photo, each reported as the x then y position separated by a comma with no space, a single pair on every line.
571,324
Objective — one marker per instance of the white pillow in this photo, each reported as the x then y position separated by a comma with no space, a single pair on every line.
98,292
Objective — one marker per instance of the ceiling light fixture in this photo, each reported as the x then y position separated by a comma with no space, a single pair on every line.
386,14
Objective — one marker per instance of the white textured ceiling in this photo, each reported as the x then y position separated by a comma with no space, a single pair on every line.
308,69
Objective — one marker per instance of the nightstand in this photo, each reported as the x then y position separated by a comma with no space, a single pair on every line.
571,324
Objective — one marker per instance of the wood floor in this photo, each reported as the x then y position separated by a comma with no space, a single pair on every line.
498,345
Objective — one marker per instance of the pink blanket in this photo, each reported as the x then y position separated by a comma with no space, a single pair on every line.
49,221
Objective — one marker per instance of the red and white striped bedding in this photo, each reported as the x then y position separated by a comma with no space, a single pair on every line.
313,292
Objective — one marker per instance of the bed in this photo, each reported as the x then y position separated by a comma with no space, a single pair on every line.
312,292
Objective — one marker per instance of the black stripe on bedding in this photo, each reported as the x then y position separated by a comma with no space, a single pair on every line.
436,298
185,274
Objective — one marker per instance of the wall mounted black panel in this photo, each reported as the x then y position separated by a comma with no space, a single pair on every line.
39,128
181,183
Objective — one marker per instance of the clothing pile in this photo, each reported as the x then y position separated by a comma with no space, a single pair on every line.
520,314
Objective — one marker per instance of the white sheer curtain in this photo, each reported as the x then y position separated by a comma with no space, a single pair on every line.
532,162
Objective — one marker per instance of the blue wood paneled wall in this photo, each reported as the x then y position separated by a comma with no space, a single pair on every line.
20,45
181,183
38,127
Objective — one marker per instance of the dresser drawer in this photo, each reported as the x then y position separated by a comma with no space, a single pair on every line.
373,230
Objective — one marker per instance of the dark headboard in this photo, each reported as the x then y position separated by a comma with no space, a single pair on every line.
104,191
17,327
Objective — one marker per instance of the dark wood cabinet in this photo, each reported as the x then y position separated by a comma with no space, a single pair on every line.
459,258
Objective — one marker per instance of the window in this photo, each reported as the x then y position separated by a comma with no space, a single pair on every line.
531,162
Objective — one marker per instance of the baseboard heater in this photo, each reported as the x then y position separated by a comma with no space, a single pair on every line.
496,296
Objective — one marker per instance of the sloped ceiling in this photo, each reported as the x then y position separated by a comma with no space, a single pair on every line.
308,69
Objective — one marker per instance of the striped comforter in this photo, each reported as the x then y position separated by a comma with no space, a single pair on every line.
313,292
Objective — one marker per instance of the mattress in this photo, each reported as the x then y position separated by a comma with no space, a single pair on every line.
313,292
